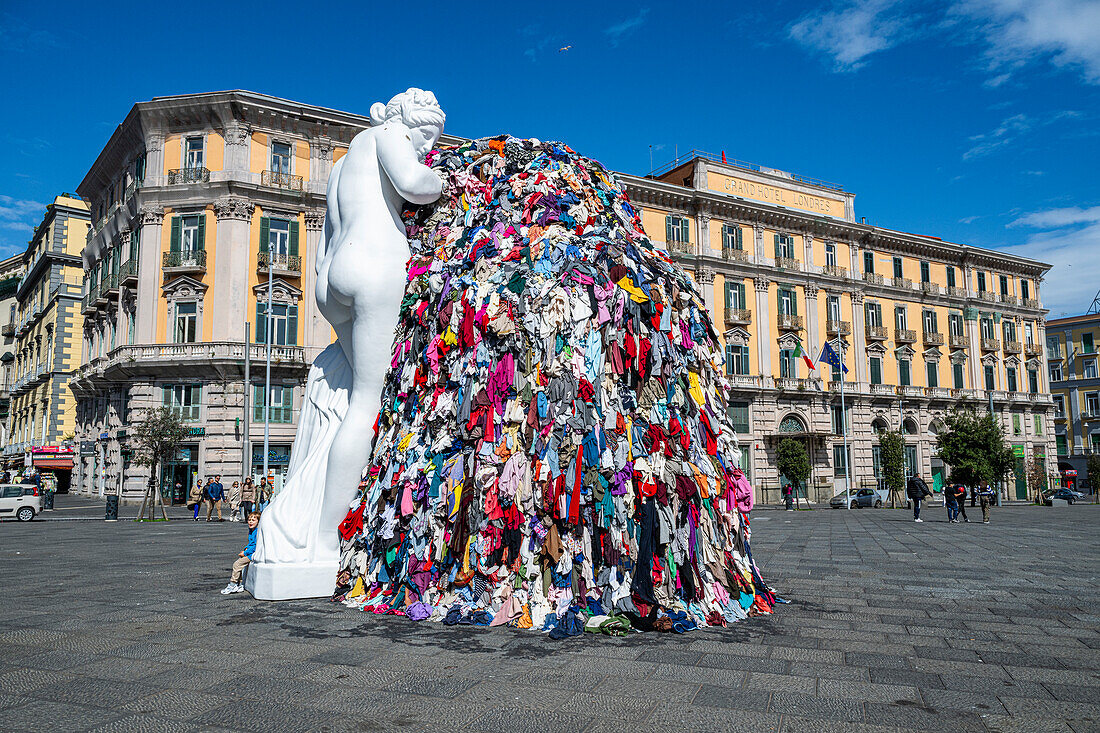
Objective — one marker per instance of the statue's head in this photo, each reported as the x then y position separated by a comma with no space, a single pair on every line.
417,110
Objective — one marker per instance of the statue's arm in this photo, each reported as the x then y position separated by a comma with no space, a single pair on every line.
416,182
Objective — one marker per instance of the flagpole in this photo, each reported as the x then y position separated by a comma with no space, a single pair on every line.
844,430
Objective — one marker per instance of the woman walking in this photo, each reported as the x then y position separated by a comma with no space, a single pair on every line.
248,496
196,497
234,501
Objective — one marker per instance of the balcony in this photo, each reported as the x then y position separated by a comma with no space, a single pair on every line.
1012,347
903,282
838,328
8,331
834,271
188,175
909,390
933,338
177,263
883,390
738,316
905,335
959,341
788,384
1033,349
1010,300
989,344
987,296
748,381
788,263
128,272
88,303
684,248
280,264
955,292
937,393
108,285
788,322
930,288
734,255
1032,303
282,180
872,278
877,333
964,394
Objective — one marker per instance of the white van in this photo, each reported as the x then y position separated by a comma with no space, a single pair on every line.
21,501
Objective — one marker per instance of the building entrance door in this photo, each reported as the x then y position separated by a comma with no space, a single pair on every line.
1021,479
937,475
180,470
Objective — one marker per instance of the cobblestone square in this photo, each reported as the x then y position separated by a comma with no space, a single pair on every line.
891,626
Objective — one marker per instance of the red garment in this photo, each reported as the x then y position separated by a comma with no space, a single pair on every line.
353,522
575,499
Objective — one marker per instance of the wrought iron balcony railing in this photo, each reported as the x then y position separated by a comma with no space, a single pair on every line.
190,260
738,316
277,261
905,335
933,338
956,292
1032,303
834,271
838,328
188,175
903,282
128,271
930,288
873,278
276,179
877,333
959,340
789,322
990,344
735,255
1012,347
787,263
685,248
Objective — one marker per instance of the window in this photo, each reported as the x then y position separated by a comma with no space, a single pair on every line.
784,246
677,230
897,267
830,254
737,359
1062,447
874,314
1038,424
788,367
1033,381
840,466
904,376
950,276
925,273
987,328
1087,347
183,399
278,236
1025,289
1092,403
1004,286
869,262
280,157
832,308
930,324
193,152
731,237
900,319
876,370
788,303
933,369
1090,369
1008,328
282,404
1016,423
1029,334
735,295
187,320
981,282
739,416
838,426
284,323
990,378
1059,405
188,234
1054,348
1010,377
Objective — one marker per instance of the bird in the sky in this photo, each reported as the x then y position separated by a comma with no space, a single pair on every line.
564,48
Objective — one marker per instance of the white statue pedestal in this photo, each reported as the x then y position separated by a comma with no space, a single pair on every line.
268,581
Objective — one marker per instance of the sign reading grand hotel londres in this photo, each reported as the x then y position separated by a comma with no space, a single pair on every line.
775,195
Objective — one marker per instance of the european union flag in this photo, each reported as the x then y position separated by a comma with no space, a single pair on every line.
829,356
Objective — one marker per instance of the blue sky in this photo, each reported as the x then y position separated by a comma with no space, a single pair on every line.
977,121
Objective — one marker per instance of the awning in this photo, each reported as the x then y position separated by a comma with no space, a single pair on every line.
65,464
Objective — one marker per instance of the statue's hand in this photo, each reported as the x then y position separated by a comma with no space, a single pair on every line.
416,182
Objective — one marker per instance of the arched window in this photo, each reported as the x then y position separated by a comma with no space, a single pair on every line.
878,425
792,424
909,426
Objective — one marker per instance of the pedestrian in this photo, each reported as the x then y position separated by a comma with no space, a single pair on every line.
196,498
788,496
960,499
951,501
244,557
985,498
215,493
235,502
263,494
917,490
248,496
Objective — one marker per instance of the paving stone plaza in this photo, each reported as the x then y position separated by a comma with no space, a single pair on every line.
891,626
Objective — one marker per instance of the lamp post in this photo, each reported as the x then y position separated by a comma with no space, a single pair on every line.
844,429
267,376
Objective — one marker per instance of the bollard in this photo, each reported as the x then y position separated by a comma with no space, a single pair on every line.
112,508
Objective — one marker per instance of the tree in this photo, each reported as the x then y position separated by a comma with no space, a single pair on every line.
892,446
156,436
792,461
1093,468
974,446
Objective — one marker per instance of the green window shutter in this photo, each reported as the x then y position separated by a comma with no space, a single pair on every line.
668,229
135,243
174,241
261,323
292,325
741,295
265,233
778,252
728,300
685,234
258,403
202,230
876,371
737,235
294,238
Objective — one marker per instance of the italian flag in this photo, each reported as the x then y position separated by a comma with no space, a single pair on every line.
805,357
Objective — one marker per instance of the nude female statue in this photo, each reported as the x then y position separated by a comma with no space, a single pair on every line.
360,284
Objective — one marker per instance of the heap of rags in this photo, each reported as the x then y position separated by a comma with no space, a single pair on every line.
553,440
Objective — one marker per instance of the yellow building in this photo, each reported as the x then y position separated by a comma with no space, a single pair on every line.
925,325
47,344
1075,385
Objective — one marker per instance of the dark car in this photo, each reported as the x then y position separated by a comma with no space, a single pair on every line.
1068,495
859,498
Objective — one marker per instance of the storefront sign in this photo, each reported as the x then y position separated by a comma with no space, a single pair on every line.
103,436
196,432
52,449
1018,451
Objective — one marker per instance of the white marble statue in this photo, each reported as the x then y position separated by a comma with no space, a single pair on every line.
360,284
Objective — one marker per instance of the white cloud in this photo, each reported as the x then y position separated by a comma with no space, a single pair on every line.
1070,246
19,214
1019,32
1011,129
617,32
852,31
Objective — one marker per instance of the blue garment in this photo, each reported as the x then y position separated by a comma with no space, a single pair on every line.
251,546
215,491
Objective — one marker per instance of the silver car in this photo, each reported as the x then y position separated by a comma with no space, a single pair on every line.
22,501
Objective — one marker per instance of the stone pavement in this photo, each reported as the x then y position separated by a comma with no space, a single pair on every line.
892,626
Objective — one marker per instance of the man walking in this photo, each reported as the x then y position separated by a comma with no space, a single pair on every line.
952,503
985,497
917,490
960,499
788,497
214,495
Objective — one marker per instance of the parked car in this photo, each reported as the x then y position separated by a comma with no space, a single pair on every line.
22,501
1068,495
859,498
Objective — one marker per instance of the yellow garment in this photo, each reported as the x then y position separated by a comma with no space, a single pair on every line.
635,293
358,589
695,391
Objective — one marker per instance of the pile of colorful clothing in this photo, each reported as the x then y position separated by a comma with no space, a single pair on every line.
553,450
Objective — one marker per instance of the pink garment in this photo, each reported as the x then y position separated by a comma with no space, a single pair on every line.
407,507
743,498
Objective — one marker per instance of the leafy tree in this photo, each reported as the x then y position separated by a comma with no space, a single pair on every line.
974,446
156,437
793,462
1093,467
1036,478
892,446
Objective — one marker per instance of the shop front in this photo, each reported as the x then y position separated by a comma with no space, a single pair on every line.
179,473
278,462
54,464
